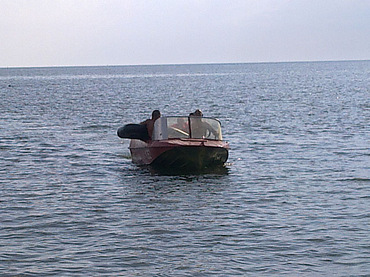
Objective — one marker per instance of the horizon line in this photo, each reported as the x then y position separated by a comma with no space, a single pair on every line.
177,64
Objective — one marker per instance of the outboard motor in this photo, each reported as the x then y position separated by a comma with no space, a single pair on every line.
133,131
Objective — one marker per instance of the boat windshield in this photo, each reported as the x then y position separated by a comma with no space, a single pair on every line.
187,127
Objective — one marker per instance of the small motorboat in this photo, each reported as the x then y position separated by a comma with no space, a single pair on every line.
178,143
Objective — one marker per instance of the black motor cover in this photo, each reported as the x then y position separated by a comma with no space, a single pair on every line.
133,131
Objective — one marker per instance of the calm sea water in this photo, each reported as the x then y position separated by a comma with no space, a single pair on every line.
295,199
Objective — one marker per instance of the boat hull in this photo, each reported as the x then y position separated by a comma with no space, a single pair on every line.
183,154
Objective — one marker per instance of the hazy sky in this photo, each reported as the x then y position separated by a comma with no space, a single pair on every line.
120,32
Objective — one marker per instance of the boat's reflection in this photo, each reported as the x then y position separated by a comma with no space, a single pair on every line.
215,170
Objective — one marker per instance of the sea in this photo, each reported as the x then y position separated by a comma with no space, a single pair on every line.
292,200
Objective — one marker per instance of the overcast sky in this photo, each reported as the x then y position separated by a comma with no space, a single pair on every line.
125,32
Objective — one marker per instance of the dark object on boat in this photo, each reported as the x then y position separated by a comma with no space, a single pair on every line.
187,143
133,131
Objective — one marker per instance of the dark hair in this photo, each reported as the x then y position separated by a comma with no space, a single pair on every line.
198,113
156,114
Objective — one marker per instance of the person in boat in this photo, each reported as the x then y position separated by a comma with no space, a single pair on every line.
181,124
200,128
198,113
149,123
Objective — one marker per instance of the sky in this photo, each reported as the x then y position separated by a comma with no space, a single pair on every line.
135,32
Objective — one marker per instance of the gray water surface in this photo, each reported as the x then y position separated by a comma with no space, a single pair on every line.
294,199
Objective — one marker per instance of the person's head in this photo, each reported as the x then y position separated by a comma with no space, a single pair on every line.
198,113
156,114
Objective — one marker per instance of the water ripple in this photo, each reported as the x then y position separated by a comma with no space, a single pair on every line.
292,200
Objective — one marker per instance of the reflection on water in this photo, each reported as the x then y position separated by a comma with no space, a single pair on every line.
215,170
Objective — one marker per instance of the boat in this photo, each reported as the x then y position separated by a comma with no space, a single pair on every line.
191,143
